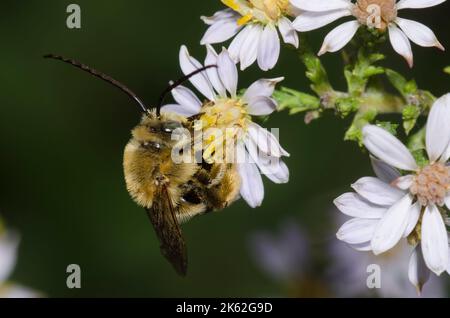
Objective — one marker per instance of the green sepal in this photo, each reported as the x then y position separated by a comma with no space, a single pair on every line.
346,105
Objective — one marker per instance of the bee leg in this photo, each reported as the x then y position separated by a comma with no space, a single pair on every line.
217,174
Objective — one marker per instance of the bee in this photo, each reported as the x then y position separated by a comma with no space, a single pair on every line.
169,191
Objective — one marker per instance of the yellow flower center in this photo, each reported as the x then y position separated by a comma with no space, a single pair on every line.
431,184
222,123
259,11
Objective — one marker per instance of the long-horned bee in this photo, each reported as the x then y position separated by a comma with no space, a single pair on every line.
171,192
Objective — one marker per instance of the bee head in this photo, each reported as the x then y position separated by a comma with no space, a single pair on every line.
157,133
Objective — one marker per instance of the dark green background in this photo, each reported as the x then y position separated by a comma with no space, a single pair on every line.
62,135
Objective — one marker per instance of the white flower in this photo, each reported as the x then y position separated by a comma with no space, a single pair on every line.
391,207
381,14
9,242
349,273
227,111
255,23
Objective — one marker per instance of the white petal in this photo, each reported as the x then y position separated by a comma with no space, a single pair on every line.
403,183
9,243
386,147
401,44
356,206
377,191
446,155
277,173
262,87
419,33
227,72
236,45
261,106
339,37
308,20
356,231
221,31
417,4
273,168
392,226
260,152
288,32
383,171
447,202
249,48
438,129
186,98
321,5
178,109
448,266
414,216
188,65
252,188
269,48
213,74
219,15
265,141
362,247
434,240
418,272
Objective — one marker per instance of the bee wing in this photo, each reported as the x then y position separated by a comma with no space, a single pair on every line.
167,228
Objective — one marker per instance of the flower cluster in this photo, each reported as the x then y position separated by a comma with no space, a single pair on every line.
409,199
230,113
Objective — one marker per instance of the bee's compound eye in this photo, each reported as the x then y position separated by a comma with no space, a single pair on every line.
170,126
151,145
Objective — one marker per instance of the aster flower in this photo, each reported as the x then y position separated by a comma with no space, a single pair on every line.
319,13
413,206
283,256
232,113
9,242
348,273
286,257
255,24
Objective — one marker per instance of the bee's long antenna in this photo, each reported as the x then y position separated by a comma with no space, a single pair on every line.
178,83
102,76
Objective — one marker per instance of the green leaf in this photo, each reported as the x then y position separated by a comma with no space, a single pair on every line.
359,73
420,157
402,85
295,101
417,140
387,125
315,71
447,70
410,115
354,133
